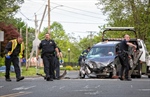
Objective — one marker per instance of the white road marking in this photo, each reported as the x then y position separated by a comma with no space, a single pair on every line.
92,93
1,86
23,88
97,86
62,87
144,90
131,86
53,86
84,90
87,86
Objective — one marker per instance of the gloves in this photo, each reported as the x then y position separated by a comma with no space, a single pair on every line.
7,56
61,61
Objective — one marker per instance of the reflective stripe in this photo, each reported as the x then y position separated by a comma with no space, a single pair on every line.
14,44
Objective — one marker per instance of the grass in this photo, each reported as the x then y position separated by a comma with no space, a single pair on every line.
31,72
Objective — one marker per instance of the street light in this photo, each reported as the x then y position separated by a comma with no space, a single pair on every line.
69,55
56,7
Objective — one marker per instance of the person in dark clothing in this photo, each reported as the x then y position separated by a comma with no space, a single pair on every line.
83,55
124,57
13,49
48,47
57,64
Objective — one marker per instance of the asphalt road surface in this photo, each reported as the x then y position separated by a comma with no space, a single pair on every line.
89,87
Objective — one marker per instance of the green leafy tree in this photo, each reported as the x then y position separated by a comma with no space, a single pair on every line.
8,8
60,37
128,13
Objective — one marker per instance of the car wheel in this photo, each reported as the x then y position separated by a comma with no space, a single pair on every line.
81,75
148,76
139,71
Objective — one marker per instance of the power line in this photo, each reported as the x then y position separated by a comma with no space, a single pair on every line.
71,22
41,7
72,16
78,13
25,16
77,9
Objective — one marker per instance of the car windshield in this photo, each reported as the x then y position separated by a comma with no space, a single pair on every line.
101,51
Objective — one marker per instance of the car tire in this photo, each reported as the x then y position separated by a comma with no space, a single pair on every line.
81,75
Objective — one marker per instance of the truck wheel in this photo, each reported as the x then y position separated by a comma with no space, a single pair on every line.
110,75
139,70
132,76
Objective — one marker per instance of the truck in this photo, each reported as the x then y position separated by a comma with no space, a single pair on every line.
143,57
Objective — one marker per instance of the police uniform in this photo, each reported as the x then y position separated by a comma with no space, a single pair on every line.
13,50
48,49
57,65
123,56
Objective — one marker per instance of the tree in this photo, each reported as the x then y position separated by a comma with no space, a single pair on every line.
131,13
8,8
9,33
60,37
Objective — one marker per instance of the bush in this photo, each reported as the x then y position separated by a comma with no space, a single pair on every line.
2,61
69,68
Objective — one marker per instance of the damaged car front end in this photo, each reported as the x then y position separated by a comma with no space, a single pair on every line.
100,61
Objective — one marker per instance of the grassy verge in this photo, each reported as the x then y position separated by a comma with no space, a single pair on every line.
31,72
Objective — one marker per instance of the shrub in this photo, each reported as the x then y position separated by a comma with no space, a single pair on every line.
69,68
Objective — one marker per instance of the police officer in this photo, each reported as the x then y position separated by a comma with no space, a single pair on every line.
83,55
123,56
48,47
57,64
13,50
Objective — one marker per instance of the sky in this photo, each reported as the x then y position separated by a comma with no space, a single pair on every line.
76,16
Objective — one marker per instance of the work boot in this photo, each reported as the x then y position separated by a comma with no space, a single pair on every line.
47,78
8,79
128,79
20,78
121,78
51,79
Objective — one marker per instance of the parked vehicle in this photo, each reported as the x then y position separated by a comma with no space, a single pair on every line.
145,57
3,69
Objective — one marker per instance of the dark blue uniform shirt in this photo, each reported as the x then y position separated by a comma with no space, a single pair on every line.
47,46
124,46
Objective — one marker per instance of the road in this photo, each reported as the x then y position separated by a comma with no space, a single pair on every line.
38,87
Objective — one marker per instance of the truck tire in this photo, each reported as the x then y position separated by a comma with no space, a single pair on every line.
139,70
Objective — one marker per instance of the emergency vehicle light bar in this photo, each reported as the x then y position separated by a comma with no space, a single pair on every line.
120,28
113,39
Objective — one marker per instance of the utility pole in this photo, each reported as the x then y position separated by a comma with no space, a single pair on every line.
48,16
26,44
36,25
21,31
42,19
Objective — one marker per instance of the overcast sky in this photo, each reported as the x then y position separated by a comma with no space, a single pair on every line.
76,16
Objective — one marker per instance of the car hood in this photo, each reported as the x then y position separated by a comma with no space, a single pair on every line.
102,60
